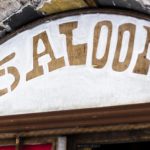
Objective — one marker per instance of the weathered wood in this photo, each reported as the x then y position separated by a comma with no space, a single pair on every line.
29,141
91,3
76,118
108,138
56,6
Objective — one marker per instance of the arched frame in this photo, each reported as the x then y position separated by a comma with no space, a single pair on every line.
116,118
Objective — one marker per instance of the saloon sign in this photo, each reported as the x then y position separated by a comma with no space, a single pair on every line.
95,59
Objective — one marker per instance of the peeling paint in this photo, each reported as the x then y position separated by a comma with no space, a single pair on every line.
144,2
15,13
10,7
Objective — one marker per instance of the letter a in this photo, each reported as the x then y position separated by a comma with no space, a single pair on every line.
52,65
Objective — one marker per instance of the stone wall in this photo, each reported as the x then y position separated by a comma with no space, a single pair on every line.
9,7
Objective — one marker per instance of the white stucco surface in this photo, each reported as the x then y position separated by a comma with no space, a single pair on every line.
73,87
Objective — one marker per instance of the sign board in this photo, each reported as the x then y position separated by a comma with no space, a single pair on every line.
76,61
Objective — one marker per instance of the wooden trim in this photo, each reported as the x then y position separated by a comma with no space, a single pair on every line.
129,114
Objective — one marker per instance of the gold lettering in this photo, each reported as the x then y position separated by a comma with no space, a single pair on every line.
76,54
11,70
52,65
5,90
121,66
142,64
100,63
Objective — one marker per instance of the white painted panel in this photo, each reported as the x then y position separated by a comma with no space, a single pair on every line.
72,87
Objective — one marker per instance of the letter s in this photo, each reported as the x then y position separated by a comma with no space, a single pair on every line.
11,70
